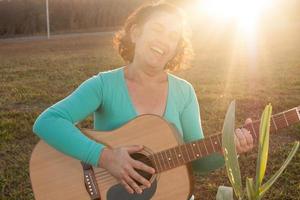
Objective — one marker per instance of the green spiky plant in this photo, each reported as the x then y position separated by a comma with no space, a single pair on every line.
254,190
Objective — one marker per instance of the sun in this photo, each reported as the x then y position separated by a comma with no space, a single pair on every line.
245,12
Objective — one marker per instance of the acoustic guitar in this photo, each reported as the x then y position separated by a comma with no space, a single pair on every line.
56,176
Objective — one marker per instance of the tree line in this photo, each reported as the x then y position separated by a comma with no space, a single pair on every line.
28,17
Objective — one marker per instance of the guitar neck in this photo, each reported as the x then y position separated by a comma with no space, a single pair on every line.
185,153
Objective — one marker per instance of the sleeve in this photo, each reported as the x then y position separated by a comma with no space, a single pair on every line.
56,125
192,130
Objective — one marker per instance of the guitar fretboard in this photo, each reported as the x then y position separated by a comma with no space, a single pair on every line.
185,153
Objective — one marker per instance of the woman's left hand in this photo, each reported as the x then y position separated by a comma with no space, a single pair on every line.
243,139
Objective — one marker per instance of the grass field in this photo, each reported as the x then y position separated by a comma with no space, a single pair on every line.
36,74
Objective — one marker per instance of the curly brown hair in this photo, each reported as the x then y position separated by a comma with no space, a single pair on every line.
122,39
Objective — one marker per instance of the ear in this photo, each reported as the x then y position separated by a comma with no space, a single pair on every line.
134,33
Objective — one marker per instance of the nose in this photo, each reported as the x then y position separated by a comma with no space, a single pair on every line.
165,37
164,40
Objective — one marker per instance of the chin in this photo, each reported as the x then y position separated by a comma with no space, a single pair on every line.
156,64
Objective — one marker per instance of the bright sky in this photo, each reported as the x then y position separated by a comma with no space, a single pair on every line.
245,12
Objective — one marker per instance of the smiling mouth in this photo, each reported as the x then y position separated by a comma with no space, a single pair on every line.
158,50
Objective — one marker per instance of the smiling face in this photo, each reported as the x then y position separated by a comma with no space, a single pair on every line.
156,40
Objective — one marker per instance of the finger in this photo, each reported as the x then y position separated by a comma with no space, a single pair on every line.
249,140
248,136
136,176
139,165
133,184
237,144
127,187
134,148
241,141
248,121
241,138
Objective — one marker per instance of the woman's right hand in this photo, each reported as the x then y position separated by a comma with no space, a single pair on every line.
120,165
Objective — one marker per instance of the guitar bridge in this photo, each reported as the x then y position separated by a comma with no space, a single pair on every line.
90,181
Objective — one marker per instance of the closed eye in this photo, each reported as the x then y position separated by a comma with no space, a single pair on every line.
157,28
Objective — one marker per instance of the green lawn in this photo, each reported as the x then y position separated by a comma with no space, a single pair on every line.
36,74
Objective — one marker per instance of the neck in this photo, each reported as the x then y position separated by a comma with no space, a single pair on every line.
145,74
187,152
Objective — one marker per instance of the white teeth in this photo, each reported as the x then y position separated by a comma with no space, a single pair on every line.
158,50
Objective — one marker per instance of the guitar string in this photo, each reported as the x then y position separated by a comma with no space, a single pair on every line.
105,174
280,122
106,177
280,119
106,180
152,158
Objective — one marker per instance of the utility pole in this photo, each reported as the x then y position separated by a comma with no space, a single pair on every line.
48,25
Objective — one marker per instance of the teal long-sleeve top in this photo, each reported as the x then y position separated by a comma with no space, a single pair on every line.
106,96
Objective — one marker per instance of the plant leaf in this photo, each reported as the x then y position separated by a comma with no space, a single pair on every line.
230,155
270,182
263,146
224,193
250,189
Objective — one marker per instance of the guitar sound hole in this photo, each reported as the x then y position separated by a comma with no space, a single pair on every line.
144,159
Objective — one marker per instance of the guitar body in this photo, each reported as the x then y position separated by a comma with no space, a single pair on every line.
57,176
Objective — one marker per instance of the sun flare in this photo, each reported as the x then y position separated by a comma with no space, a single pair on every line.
245,12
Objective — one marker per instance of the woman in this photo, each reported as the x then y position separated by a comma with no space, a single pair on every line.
152,42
